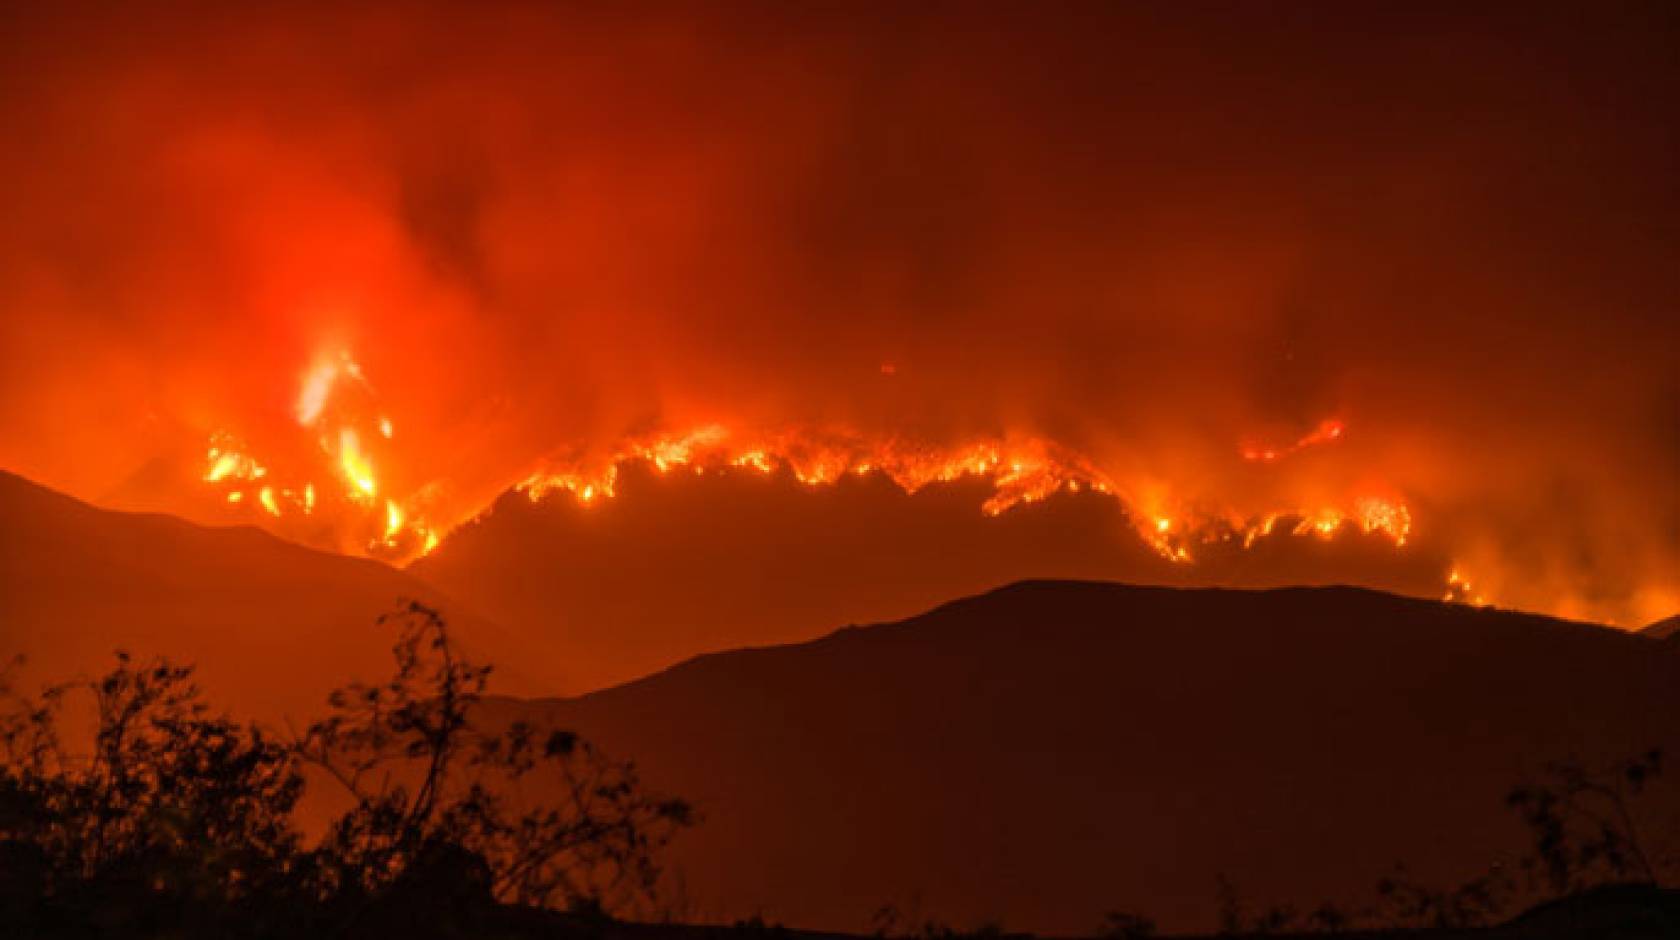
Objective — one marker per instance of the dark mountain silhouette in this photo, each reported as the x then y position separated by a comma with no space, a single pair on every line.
271,626
1053,750
685,564
1666,629
1041,754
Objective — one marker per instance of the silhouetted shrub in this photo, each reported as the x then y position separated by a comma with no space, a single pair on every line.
169,809
177,818
1234,920
1585,827
1475,903
422,773
890,923
1123,925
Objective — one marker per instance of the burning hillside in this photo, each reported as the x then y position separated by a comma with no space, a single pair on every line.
332,492
337,498
352,273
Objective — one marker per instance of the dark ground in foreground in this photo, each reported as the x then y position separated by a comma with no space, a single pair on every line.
1611,912
1615,912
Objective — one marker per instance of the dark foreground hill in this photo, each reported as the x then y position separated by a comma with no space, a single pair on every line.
684,564
271,626
1053,750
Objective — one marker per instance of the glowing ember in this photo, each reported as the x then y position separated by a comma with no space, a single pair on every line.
1459,590
1328,431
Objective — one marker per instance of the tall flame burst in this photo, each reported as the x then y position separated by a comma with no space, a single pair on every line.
341,496
338,495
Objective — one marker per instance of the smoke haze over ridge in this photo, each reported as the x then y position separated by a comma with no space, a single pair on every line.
1150,236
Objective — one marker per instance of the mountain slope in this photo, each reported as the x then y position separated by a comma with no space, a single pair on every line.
271,626
1666,629
1053,750
682,564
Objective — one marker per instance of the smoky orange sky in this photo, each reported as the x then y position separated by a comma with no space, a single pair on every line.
1152,235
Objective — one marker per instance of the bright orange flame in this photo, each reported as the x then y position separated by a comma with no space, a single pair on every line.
1460,591
1390,518
357,469
1019,471
344,427
228,462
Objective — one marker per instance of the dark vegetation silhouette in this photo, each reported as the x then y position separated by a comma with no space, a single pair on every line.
1600,858
129,807
1601,863
1126,925
1587,826
175,818
1591,836
892,922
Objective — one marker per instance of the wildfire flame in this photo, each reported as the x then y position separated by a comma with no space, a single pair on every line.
1460,591
226,461
1018,471
335,404
358,470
